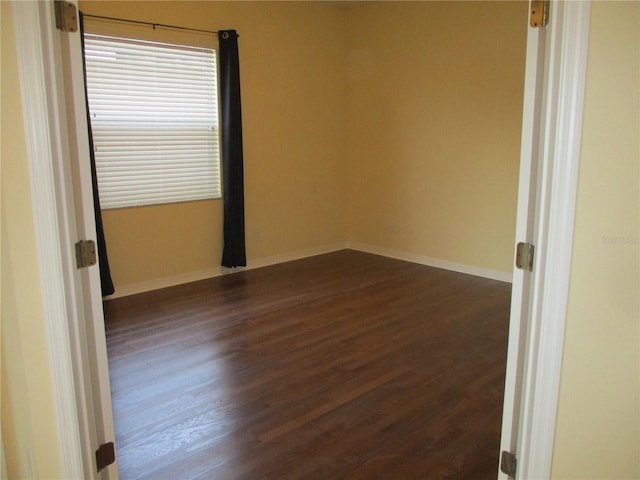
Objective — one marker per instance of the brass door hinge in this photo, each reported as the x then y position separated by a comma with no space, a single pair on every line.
539,13
105,455
508,464
85,253
66,16
524,256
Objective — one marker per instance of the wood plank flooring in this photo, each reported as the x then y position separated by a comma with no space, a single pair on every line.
341,366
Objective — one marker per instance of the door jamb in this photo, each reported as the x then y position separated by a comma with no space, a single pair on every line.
563,105
55,231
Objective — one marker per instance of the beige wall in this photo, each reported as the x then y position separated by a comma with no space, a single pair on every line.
597,431
28,425
391,124
294,117
434,128
598,428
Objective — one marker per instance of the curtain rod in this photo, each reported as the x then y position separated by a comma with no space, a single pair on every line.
151,24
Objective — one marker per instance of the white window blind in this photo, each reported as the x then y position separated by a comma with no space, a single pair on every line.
154,116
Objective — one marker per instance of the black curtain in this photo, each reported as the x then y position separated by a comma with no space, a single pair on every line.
105,273
233,254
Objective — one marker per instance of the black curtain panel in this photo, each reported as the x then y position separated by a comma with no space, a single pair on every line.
103,261
233,254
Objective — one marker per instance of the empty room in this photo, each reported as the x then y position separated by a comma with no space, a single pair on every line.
367,336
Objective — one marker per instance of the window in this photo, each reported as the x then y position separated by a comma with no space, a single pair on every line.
154,116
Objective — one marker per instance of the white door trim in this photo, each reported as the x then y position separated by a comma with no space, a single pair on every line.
568,35
55,231
525,229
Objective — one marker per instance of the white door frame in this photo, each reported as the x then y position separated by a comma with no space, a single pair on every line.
531,394
82,399
63,296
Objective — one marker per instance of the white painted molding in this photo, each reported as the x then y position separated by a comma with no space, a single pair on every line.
297,255
434,262
33,39
155,284
569,29
88,342
132,289
525,221
165,282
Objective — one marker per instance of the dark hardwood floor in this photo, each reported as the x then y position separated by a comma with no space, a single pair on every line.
341,366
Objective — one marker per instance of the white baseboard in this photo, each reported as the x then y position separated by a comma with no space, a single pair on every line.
433,262
132,289
288,257
156,284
